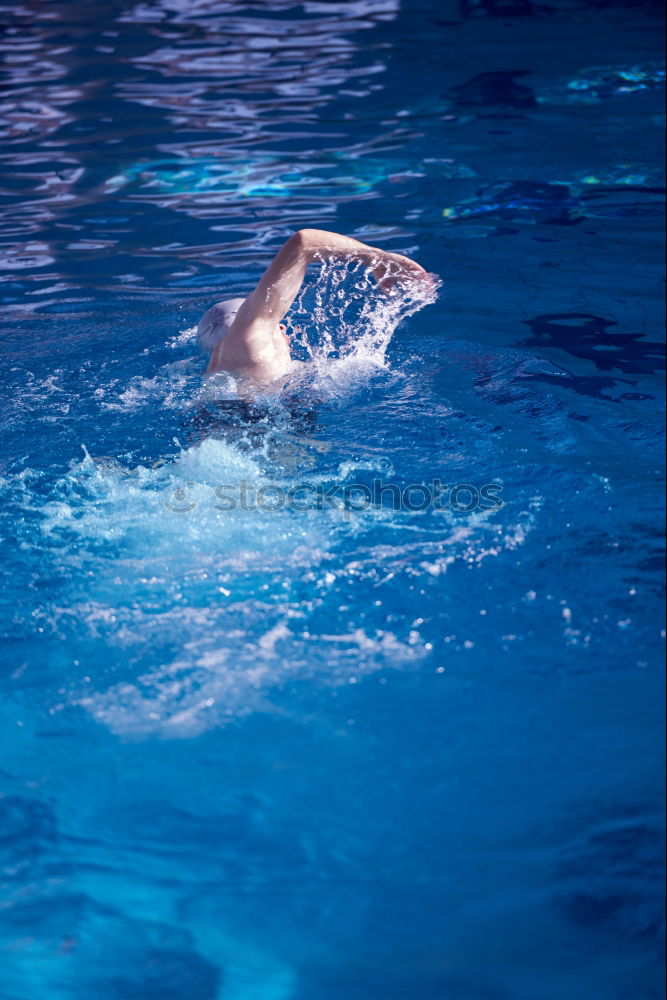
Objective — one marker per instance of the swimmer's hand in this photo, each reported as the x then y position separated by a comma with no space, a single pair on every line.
394,270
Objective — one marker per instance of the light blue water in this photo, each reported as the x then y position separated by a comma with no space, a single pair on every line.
257,754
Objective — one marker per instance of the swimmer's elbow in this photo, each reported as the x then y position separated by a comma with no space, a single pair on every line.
301,244
311,240
315,242
303,239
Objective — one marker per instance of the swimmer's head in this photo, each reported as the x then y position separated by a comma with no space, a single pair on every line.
214,324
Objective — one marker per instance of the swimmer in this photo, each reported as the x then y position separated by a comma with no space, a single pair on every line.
246,336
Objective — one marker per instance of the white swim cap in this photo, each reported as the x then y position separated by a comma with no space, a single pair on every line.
214,324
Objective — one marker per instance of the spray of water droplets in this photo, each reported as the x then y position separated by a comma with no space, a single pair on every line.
351,311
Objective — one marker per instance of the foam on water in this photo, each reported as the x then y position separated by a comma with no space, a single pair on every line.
167,388
217,595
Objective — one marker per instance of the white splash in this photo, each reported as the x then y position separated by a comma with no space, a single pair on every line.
344,321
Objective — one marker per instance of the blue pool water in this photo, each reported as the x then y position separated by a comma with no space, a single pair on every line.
362,751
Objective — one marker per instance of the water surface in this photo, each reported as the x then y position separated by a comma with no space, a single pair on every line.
256,754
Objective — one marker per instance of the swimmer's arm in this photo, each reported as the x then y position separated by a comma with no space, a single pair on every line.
280,284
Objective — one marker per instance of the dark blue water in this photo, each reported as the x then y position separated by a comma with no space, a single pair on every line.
362,751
